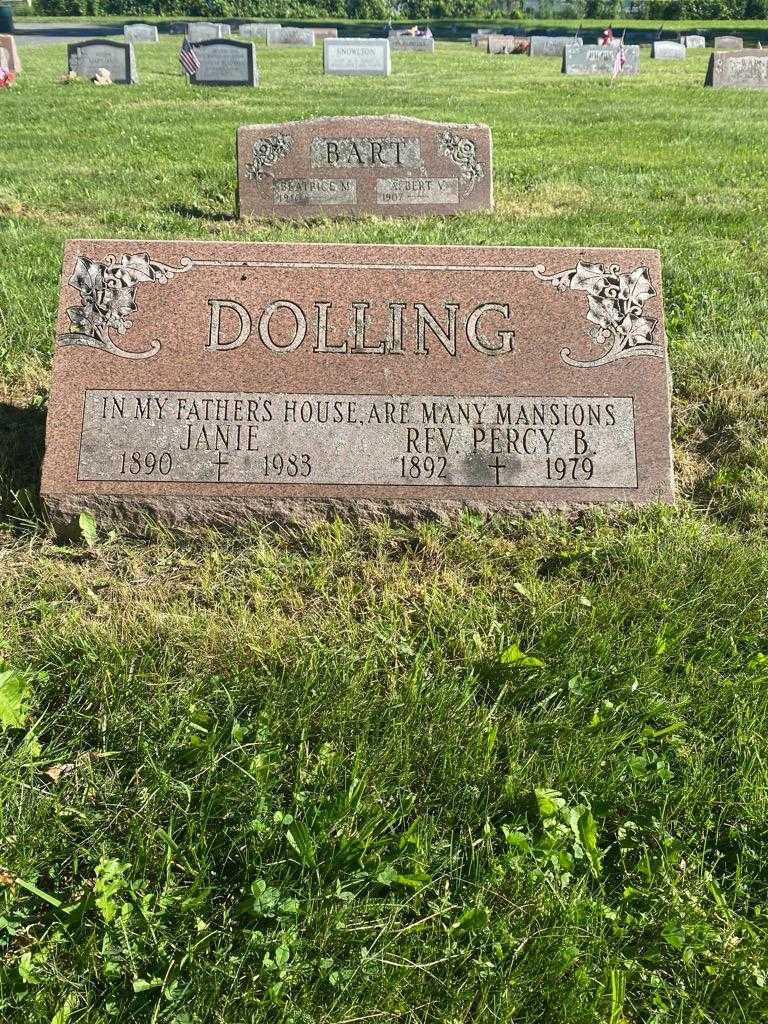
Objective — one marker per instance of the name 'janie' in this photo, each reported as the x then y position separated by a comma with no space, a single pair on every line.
282,326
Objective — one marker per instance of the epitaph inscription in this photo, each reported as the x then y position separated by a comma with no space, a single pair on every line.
210,379
399,167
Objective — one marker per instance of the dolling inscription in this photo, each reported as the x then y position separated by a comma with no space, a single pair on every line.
402,440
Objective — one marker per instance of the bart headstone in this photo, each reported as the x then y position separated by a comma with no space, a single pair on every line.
356,57
552,46
599,60
743,69
290,37
141,33
225,62
87,58
729,43
11,62
350,166
211,382
664,50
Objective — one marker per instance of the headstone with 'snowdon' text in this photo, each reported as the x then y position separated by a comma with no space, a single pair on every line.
210,381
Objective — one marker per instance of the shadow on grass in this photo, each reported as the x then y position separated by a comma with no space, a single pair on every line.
22,432
196,212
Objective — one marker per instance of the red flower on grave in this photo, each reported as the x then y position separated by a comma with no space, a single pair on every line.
7,78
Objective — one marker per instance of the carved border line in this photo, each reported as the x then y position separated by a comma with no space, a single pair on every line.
615,299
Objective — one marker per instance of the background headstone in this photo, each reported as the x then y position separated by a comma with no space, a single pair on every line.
225,62
256,30
290,37
744,69
199,31
252,377
420,44
665,50
141,33
693,42
349,166
598,60
119,59
356,57
552,46
13,63
728,43
324,33
507,44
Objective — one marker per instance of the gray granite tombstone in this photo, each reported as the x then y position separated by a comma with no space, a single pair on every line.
507,44
599,60
693,42
552,46
225,62
87,57
256,30
418,44
356,56
140,33
198,31
740,69
664,50
290,37
729,43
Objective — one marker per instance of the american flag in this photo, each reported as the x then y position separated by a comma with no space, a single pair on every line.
189,59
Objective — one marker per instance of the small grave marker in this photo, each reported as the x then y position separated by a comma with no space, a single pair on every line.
729,43
141,33
290,37
665,50
356,57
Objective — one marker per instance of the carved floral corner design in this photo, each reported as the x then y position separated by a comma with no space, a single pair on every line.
463,152
620,327
266,153
108,298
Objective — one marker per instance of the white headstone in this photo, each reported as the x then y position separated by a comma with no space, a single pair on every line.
140,33
665,50
356,57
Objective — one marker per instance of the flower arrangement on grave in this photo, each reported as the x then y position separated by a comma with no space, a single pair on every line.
70,78
7,78
102,77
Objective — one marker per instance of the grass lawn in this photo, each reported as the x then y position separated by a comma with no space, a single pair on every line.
496,771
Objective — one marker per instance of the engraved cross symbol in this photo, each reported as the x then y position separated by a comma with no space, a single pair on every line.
496,465
221,462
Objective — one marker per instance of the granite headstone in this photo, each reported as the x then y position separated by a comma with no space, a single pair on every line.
207,381
693,42
507,44
599,60
86,58
665,50
356,56
141,33
552,46
418,44
324,33
742,69
256,30
729,43
200,31
349,166
12,60
290,37
225,62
